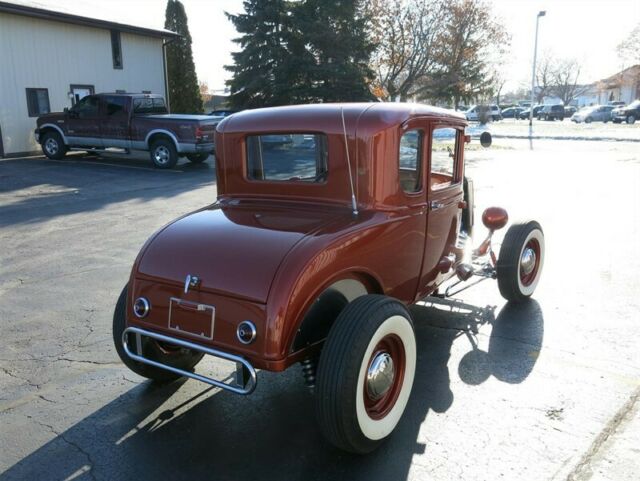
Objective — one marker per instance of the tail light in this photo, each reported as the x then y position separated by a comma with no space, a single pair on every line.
199,134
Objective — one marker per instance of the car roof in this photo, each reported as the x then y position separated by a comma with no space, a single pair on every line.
328,117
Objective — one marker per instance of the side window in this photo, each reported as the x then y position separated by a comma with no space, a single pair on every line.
115,106
38,102
410,160
444,148
87,107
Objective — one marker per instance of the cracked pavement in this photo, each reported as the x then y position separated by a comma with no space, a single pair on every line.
543,391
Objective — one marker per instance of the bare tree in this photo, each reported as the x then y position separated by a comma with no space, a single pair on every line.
545,75
629,48
407,33
565,80
474,41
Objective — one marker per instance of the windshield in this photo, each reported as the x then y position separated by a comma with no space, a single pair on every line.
635,104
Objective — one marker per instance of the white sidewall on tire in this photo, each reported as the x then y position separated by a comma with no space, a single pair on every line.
534,234
376,429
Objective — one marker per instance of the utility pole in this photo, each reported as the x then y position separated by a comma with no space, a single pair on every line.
541,13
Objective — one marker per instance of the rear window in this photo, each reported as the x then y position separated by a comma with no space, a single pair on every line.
287,157
149,105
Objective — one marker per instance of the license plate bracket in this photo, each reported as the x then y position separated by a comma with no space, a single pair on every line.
191,318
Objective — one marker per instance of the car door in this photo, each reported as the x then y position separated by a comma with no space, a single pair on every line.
83,123
114,125
445,195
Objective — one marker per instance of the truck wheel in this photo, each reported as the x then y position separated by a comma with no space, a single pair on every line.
185,359
164,154
53,146
631,119
197,158
520,261
365,373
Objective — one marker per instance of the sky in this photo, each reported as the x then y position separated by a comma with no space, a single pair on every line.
587,30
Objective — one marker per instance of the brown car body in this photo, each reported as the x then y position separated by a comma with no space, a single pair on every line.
265,251
110,120
329,221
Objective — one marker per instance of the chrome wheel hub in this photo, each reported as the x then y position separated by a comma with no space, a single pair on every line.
527,261
162,155
51,146
380,375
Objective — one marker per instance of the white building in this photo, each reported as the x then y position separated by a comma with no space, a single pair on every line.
50,59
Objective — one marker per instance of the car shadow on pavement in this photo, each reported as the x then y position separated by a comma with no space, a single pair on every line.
272,434
34,190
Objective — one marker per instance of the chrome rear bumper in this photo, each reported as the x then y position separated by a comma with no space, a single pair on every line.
245,380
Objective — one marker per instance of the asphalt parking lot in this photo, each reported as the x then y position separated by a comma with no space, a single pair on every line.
546,390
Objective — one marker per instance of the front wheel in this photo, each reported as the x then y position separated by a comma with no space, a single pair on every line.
53,146
587,120
365,373
631,119
184,359
198,158
520,261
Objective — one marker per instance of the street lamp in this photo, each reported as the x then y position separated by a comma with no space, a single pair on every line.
542,13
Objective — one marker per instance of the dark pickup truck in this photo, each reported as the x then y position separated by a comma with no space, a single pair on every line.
129,122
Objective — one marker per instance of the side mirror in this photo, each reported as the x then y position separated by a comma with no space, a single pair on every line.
485,139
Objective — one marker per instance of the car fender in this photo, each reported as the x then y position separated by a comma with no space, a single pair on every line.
54,127
166,132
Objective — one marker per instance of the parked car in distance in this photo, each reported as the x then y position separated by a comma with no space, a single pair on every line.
511,112
524,115
477,112
569,110
221,112
595,113
129,122
628,114
617,103
308,257
551,112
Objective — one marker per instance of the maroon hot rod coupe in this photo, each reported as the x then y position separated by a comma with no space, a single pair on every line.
329,221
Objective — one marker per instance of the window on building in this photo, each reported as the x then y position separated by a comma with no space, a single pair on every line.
444,150
116,49
38,102
287,157
411,160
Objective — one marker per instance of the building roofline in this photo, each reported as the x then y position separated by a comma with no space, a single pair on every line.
42,13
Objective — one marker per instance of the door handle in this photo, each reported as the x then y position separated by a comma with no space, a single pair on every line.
434,204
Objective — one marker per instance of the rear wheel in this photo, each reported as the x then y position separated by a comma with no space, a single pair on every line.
520,261
53,146
163,153
365,373
184,359
197,158
631,119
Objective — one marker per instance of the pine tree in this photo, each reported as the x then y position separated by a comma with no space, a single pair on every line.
338,50
300,52
260,68
184,93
